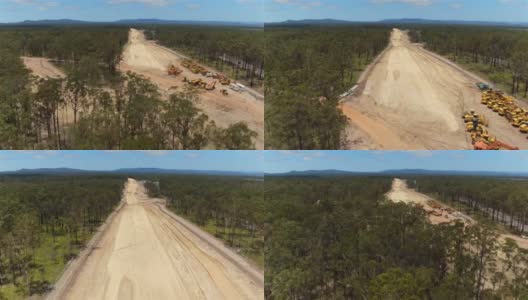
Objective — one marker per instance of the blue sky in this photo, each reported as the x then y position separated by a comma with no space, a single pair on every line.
371,161
251,161
111,10
374,10
269,161
264,10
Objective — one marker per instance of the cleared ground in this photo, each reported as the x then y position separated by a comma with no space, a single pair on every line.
411,98
146,252
42,67
400,192
151,60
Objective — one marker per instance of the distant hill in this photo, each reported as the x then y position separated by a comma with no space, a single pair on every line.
451,22
69,22
402,172
405,21
132,171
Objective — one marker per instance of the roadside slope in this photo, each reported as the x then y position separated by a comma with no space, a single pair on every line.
146,254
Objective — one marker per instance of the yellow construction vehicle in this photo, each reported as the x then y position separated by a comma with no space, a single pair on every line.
196,82
495,108
524,127
173,70
516,122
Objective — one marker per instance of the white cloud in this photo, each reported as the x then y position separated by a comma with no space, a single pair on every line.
193,6
156,153
422,153
410,2
40,4
304,4
192,155
146,2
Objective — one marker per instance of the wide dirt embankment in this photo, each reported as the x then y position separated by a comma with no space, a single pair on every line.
151,60
414,99
146,253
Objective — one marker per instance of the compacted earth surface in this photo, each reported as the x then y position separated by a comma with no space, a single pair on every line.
151,60
411,98
145,252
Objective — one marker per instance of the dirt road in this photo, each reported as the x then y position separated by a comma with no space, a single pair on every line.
151,60
417,99
400,192
147,253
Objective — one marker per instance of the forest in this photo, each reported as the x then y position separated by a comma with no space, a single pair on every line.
501,200
307,68
110,110
500,54
239,52
230,208
44,222
340,238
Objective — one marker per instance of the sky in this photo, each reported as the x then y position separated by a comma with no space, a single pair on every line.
112,10
375,10
237,161
264,10
373,161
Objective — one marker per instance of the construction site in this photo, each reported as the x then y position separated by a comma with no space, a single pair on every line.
224,100
144,251
437,211
412,99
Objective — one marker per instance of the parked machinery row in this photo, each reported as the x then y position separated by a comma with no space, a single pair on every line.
506,107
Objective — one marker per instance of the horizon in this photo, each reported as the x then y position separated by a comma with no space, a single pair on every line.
278,162
107,161
263,11
13,11
511,11
259,22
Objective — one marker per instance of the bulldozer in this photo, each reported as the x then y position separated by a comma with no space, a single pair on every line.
523,127
516,122
173,70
